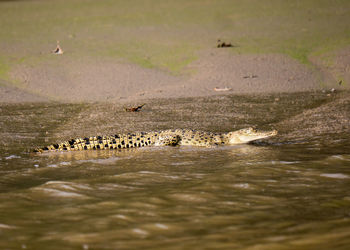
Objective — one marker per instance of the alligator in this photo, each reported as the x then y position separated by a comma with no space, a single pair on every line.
160,138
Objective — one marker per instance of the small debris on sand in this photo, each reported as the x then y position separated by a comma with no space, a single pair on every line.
222,89
223,44
134,109
250,76
58,50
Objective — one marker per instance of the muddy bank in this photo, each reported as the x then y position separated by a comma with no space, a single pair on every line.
299,117
321,122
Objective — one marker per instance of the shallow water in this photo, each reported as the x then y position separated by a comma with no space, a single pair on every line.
289,192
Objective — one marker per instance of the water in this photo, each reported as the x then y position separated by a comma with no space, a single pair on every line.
287,192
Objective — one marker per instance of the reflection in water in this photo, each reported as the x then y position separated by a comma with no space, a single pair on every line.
286,193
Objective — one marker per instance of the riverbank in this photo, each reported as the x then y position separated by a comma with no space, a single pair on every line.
126,52
216,72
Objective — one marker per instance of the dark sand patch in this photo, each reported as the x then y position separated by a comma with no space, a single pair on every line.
334,67
322,122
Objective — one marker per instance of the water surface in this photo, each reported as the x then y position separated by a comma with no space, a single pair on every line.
288,192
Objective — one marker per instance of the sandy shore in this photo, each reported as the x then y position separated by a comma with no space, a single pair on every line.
216,71
126,52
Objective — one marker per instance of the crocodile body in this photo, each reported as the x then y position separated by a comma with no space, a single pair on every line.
160,138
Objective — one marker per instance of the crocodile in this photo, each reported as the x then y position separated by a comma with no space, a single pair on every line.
160,138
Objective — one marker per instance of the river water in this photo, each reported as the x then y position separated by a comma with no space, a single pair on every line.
288,192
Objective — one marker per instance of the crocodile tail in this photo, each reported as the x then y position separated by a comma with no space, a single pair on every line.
38,150
68,145
78,144
100,142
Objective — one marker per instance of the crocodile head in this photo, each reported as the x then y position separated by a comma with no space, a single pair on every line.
248,134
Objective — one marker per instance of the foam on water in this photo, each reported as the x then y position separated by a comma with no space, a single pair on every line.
161,226
106,161
5,226
140,231
12,157
335,176
67,185
63,189
242,185
64,194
